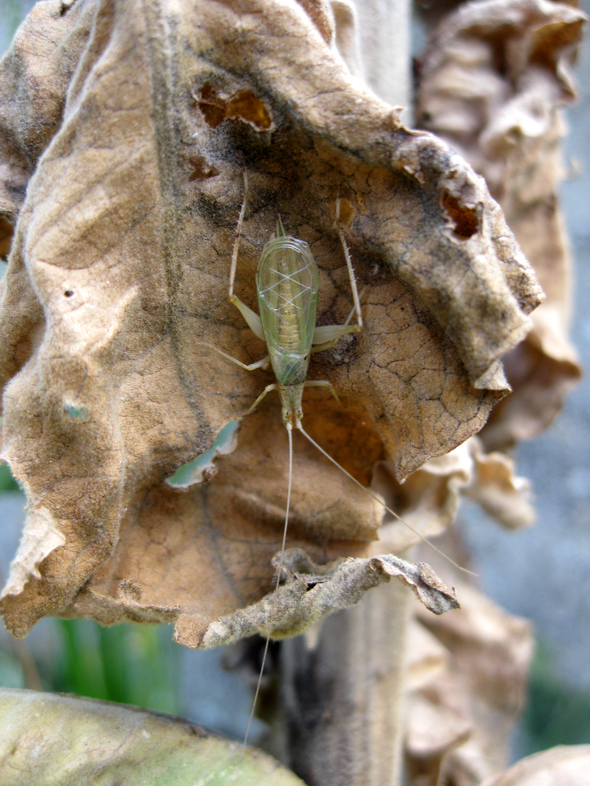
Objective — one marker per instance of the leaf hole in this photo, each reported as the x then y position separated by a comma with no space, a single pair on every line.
6,233
466,219
243,105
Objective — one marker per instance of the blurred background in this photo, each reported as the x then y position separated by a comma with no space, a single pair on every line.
540,573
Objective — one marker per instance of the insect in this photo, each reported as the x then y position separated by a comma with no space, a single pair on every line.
287,282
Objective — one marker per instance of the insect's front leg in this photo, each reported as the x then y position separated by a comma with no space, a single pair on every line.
266,390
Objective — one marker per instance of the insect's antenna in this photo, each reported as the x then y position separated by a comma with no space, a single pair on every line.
278,581
376,497
280,228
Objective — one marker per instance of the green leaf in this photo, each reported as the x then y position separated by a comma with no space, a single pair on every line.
54,740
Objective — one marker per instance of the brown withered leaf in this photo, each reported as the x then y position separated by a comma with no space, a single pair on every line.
309,594
493,83
564,765
500,492
428,500
460,720
117,284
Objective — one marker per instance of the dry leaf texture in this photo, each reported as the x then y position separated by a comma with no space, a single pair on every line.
307,596
468,682
493,84
125,129
564,765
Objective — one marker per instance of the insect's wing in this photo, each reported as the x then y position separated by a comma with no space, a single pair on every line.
287,283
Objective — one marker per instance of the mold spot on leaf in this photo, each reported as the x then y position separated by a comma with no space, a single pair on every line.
201,169
76,411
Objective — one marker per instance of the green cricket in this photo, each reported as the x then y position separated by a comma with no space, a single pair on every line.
287,283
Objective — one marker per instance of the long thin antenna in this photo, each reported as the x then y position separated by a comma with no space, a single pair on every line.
376,497
278,581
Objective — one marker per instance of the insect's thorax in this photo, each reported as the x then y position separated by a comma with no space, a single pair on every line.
287,284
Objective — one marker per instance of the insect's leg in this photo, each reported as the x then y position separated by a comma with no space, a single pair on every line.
250,316
266,390
326,336
234,256
322,383
355,294
263,363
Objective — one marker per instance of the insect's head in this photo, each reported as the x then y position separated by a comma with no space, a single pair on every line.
292,416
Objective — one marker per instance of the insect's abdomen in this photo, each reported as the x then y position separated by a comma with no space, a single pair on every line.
287,284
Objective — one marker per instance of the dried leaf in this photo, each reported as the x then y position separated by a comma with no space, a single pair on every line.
53,740
432,731
117,284
426,657
565,765
493,84
495,486
306,598
475,699
428,499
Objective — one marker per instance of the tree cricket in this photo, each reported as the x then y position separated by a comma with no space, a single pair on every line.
287,284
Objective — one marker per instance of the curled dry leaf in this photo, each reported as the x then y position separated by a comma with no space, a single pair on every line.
308,596
117,287
564,765
493,83
429,498
467,685
495,486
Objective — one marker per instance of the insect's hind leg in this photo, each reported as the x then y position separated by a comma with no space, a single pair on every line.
250,316
353,286
326,336
322,383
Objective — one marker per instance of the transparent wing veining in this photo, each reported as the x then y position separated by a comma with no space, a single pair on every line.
287,283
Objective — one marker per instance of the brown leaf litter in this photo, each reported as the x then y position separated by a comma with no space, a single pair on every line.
125,129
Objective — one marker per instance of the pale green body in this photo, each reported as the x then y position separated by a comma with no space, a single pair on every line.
287,283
